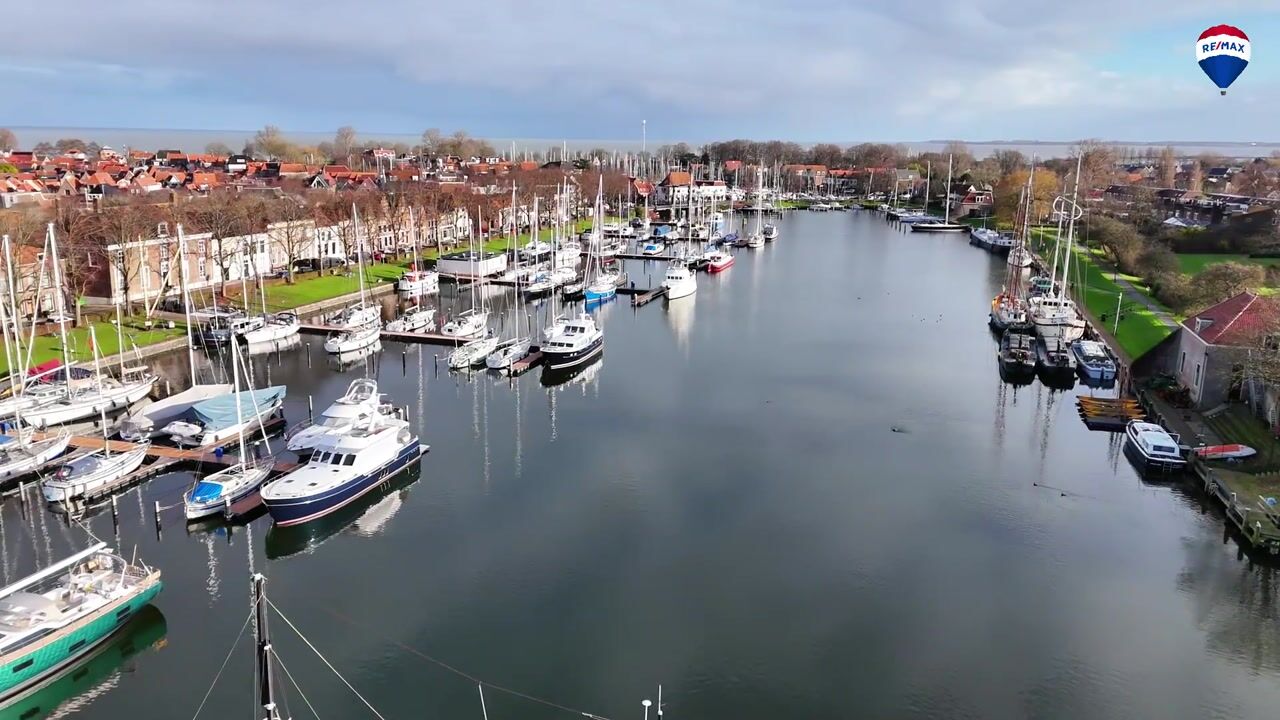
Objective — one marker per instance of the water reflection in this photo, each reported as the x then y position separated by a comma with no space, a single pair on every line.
346,361
74,689
680,317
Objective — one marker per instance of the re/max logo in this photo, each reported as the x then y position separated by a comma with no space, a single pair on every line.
1227,45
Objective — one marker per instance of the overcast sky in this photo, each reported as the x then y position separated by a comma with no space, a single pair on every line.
806,70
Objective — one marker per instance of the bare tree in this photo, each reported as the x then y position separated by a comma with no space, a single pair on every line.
1168,167
114,228
8,141
291,231
344,142
220,215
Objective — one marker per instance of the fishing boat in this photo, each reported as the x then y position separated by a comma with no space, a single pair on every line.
415,319
1155,447
90,471
359,401
718,260
1009,309
1017,353
343,467
573,343
54,617
1054,359
1094,360
217,420
679,281
1055,314
219,491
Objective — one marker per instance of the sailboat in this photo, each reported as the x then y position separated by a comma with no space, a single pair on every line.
63,612
274,326
600,286
946,226
360,324
144,423
1055,314
1009,308
103,393
415,318
506,352
93,470
472,323
220,490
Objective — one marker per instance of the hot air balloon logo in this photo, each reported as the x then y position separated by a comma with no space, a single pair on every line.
1223,53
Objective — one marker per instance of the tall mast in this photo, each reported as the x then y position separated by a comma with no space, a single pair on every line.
1071,229
947,212
355,220
59,306
266,676
186,302
928,179
235,388
11,352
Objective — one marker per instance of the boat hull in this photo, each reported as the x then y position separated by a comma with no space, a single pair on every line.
555,360
56,490
59,413
296,511
271,332
22,671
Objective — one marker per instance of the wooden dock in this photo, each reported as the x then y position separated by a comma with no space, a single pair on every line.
643,297
526,363
404,337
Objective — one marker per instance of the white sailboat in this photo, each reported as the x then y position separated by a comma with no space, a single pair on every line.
102,393
600,286
214,493
946,226
361,324
146,422
1055,314
472,323
415,318
507,352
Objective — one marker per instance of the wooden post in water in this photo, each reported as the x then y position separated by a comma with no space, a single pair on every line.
115,514
308,354
156,508
404,362
311,413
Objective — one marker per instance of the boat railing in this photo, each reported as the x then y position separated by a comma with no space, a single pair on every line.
297,428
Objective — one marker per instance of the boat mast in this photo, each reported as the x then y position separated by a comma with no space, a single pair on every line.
235,389
928,179
355,220
19,362
1071,230
59,304
947,202
186,302
9,356
266,678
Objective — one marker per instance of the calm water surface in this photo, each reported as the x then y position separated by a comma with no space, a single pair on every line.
720,506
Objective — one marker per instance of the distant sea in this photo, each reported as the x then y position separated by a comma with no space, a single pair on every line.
195,141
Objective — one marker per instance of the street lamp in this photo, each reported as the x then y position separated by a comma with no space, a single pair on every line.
646,705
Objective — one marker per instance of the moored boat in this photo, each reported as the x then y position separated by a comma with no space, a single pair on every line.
1155,447
54,617
1094,360
572,343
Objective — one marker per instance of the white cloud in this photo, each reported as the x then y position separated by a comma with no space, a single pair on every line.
784,69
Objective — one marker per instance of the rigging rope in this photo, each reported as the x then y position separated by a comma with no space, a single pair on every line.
325,660
225,660
295,684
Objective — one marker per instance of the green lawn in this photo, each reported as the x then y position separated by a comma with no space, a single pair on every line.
49,347
307,288
1195,263
1139,330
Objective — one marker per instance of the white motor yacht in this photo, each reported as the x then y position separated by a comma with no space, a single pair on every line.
359,401
1157,447
679,281
573,343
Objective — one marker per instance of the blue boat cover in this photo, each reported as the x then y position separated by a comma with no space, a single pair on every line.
220,412
205,492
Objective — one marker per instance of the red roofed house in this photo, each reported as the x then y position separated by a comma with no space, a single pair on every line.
674,188
1213,344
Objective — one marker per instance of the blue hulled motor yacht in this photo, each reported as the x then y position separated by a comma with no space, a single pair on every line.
344,465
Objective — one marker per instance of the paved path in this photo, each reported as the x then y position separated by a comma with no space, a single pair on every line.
1138,296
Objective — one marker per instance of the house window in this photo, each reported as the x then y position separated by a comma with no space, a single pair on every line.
1197,383
200,268
201,248
1182,363
164,269
164,253
162,229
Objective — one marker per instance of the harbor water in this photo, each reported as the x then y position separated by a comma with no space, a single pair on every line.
803,492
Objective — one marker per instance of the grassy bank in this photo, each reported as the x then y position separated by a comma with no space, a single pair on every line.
49,347
1195,263
1139,329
